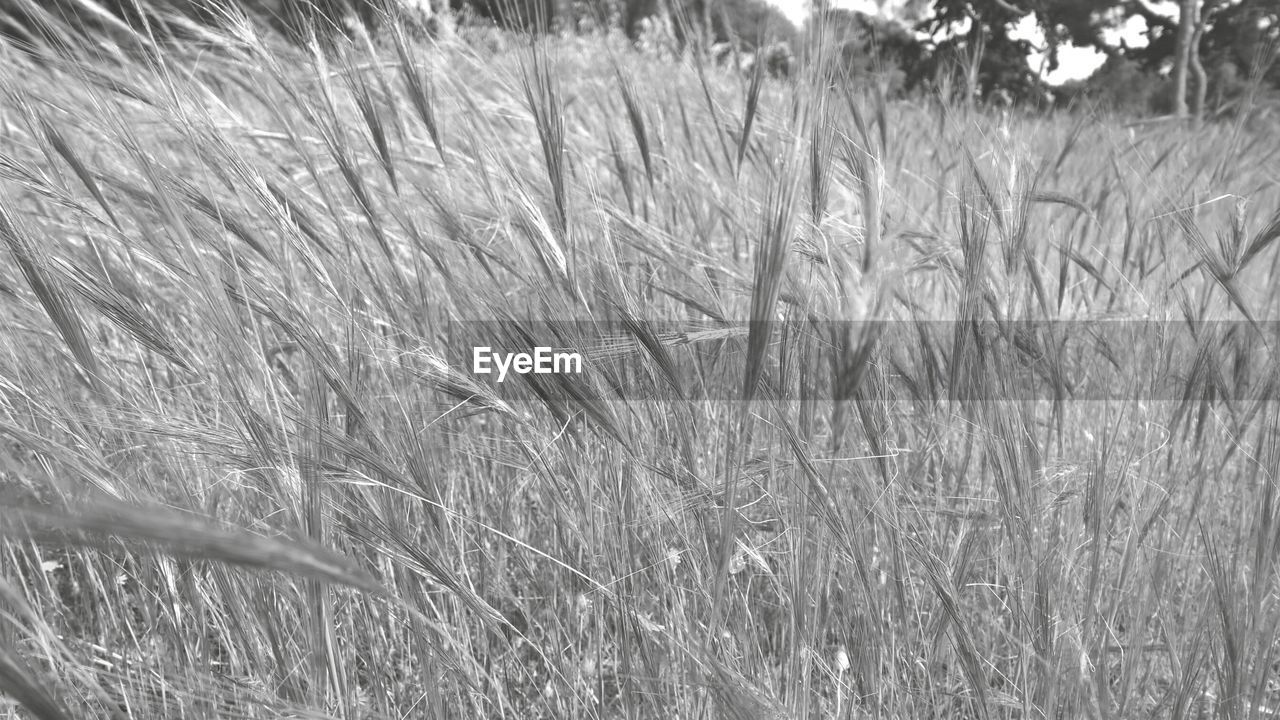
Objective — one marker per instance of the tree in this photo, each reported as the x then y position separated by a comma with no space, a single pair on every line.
991,58
1239,49
1207,36
1182,55
1193,16
1199,43
1079,21
754,24
522,15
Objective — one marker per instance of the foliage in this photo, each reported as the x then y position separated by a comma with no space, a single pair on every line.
1123,86
1244,40
1061,21
1002,61
1238,51
1242,35
524,15
754,24
871,50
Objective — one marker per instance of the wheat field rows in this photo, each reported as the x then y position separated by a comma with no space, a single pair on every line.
842,449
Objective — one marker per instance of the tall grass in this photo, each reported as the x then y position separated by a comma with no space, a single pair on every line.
247,472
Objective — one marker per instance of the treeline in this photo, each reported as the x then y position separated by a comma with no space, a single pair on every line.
963,49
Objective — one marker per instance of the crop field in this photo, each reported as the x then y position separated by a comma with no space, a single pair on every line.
884,408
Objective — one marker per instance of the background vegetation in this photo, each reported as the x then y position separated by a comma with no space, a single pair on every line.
1225,64
242,476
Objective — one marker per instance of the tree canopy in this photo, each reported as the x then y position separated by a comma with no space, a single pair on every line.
1216,44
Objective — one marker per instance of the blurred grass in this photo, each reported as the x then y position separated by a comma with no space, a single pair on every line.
234,273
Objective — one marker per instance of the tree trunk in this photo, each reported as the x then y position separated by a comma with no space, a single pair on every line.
1187,17
1198,75
973,64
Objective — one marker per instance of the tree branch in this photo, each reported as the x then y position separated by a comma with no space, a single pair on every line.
1002,4
1009,8
1152,16
1207,9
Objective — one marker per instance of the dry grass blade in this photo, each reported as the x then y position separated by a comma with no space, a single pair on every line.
184,534
52,297
1220,261
636,118
749,113
310,462
865,170
988,194
543,96
643,332
1265,237
113,83
623,171
1085,264
359,88
855,112
821,140
345,160
422,93
970,662
128,315
1235,623
776,230
327,119
458,385
819,493
18,682
1019,191
711,107
224,217
64,150
1073,140
296,216
273,306
566,397
1055,198
409,550
739,699
457,228
544,238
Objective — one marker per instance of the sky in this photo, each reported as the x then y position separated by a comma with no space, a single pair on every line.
1075,63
